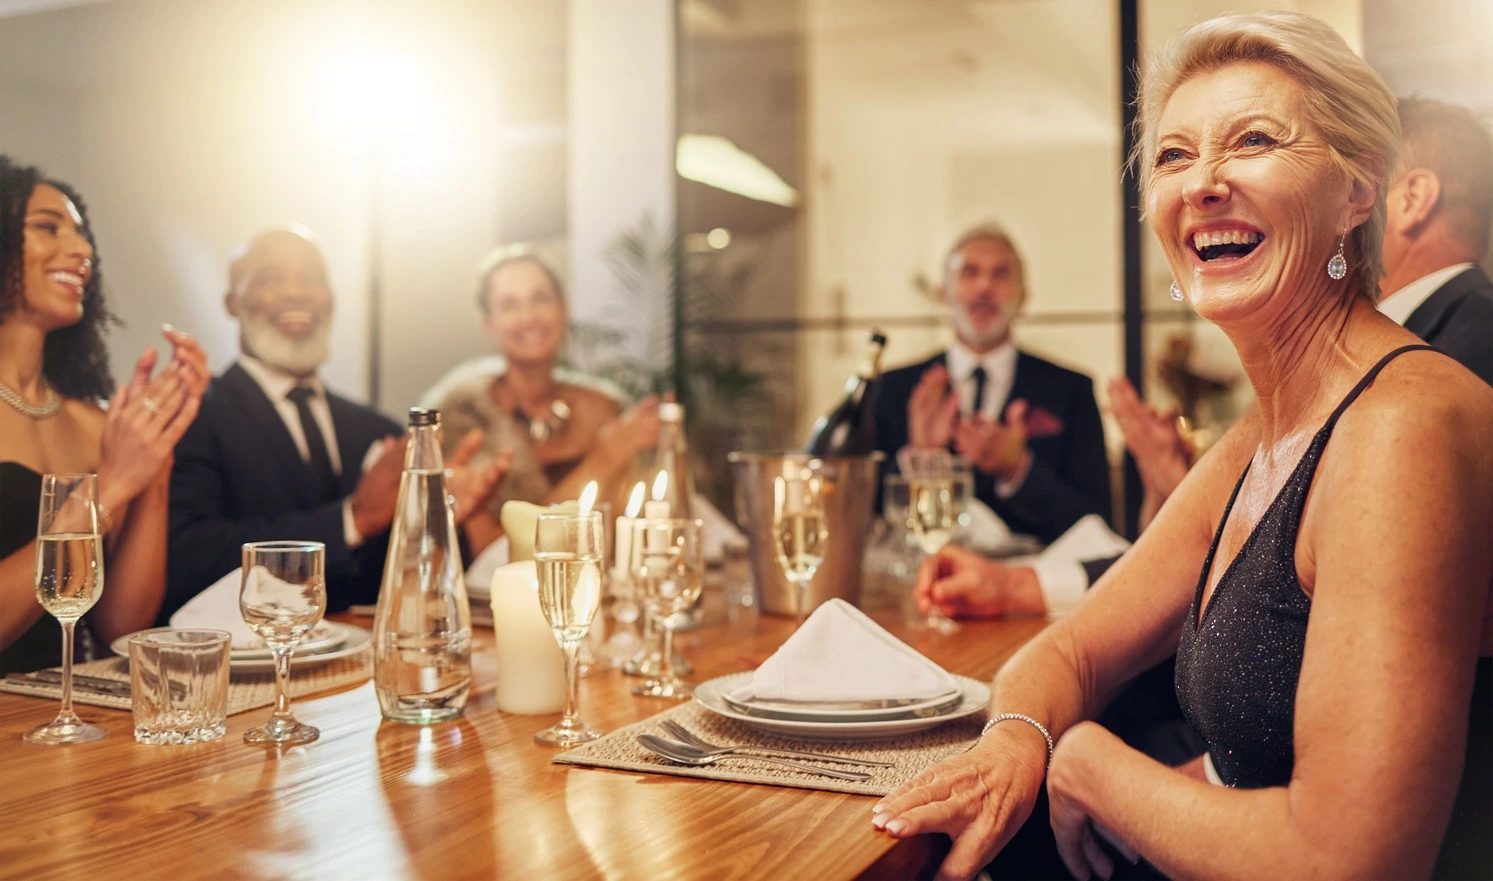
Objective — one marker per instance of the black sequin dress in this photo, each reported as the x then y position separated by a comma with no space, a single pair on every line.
1238,668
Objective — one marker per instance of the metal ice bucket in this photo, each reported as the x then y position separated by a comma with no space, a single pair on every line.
850,496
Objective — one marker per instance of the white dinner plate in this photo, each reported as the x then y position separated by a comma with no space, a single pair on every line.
741,700
325,636
975,698
347,640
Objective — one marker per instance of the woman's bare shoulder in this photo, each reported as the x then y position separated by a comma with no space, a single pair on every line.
590,403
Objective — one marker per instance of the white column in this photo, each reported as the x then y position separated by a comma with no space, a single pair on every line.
620,142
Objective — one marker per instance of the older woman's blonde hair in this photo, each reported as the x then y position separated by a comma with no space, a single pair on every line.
1347,101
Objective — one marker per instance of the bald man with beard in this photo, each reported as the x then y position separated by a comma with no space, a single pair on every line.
275,455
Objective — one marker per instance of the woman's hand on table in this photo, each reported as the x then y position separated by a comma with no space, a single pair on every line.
979,798
962,584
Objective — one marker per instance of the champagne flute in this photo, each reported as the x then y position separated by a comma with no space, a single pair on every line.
668,560
800,530
69,580
938,484
282,596
568,551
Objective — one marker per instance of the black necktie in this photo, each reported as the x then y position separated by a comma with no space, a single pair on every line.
316,445
978,375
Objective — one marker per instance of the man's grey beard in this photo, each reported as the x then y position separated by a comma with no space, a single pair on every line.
263,340
965,330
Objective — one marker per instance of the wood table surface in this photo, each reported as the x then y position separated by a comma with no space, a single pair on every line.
472,799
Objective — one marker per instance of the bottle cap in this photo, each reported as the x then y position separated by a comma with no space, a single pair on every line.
424,416
670,411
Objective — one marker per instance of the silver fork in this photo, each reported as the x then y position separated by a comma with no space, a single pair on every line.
685,754
681,733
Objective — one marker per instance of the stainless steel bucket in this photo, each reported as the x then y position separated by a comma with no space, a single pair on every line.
851,483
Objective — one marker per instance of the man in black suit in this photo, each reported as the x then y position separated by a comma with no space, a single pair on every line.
1029,428
274,455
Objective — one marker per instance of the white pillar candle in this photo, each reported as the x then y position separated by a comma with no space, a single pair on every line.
531,669
656,510
519,519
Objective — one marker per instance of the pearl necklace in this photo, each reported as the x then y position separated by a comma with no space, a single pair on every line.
49,409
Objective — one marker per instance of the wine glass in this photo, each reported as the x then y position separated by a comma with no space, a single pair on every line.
799,529
668,564
568,553
938,485
282,596
69,580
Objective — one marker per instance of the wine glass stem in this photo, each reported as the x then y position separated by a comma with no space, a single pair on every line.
282,684
666,667
572,650
66,713
802,586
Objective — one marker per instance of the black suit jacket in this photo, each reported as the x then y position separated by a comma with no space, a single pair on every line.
1070,472
239,478
1458,320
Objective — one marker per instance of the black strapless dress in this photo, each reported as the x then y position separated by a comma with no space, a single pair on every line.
41,645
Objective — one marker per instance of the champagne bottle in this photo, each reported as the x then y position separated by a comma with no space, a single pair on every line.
422,631
850,428
671,494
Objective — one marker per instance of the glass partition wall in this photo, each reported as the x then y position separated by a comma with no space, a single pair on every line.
831,150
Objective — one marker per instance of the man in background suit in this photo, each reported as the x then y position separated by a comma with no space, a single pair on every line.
1029,428
274,455
1440,209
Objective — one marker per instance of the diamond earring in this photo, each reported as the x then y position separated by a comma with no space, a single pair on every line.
1176,291
1337,267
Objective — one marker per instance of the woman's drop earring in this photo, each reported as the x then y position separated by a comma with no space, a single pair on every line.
1176,292
1337,267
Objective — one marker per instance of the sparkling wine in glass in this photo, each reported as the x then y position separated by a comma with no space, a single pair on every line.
938,486
69,580
668,562
282,596
568,555
800,531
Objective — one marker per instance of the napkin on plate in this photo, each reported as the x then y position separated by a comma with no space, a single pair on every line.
719,532
839,654
479,574
217,609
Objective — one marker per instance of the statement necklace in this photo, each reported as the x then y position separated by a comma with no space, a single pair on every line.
50,408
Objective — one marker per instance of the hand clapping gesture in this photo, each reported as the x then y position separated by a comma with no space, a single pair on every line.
148,416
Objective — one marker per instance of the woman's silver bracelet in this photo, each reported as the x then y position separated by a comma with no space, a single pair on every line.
1003,717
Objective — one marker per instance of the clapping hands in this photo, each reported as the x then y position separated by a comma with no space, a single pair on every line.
148,415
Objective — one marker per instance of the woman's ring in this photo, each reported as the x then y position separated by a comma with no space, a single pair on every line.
150,406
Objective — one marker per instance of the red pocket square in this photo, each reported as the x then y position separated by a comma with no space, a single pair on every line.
1042,422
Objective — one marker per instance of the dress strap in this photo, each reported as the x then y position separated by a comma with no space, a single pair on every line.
1367,380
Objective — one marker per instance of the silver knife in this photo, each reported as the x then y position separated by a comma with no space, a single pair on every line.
112,687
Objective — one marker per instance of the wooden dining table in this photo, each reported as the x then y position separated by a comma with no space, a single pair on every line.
472,799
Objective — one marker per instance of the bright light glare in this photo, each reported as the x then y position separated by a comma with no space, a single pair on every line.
717,162
718,238
376,94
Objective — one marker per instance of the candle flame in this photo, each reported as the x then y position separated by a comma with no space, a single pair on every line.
588,497
635,501
660,486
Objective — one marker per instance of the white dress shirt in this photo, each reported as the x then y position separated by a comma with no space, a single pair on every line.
1000,376
277,386
1400,304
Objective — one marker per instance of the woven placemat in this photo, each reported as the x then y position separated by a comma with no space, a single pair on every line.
246,691
912,753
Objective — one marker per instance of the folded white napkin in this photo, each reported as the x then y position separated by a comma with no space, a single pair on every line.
217,609
839,654
1060,569
479,574
719,531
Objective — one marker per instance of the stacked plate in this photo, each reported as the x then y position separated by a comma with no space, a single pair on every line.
731,696
327,641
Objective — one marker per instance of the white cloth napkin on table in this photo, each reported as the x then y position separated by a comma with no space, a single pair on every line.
217,609
718,533
479,574
839,654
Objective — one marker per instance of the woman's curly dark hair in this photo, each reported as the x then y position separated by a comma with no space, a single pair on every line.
75,359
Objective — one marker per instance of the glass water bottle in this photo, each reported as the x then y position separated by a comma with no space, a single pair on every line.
422,635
